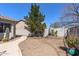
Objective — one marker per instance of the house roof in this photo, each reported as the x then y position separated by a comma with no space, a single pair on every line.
7,20
20,21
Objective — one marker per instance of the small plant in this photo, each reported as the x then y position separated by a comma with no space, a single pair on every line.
6,35
52,33
72,41
56,33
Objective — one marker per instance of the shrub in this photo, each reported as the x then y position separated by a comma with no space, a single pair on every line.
72,41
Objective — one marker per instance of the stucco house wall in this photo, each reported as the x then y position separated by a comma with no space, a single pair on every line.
46,32
12,33
20,29
12,22
61,32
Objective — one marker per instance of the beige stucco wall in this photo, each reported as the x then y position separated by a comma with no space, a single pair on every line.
20,24
20,29
46,32
11,34
60,31
4,19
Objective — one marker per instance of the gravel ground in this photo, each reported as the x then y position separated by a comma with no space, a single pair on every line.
37,46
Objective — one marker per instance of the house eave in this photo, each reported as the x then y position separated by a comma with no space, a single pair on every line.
8,21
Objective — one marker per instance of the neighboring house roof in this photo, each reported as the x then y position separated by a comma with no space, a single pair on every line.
56,25
7,20
70,24
20,21
67,24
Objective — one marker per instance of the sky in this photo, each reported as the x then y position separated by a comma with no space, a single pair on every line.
17,11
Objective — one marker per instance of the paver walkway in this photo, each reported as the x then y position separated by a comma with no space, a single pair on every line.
11,48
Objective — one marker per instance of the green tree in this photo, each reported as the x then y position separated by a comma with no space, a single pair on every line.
56,25
34,20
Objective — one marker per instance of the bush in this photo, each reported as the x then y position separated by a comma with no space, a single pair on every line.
56,33
72,41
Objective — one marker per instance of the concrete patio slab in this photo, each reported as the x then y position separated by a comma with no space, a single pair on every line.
11,47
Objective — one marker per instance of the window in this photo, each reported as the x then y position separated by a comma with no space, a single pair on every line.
3,27
6,25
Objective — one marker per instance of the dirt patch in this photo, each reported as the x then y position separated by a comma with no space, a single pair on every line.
38,46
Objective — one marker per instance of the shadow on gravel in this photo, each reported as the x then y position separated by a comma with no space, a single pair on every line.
63,48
